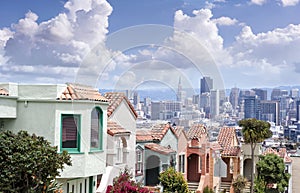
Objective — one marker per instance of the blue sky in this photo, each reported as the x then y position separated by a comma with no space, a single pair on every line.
250,43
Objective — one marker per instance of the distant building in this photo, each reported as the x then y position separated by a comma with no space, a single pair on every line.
294,93
206,84
165,110
261,94
252,107
275,94
214,103
234,98
270,111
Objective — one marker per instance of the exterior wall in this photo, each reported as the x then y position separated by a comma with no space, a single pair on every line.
182,144
8,106
170,139
246,149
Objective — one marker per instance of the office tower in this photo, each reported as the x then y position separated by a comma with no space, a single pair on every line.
180,93
234,98
275,94
262,94
214,103
206,84
164,110
270,111
196,99
294,93
205,103
252,107
298,110
222,96
136,98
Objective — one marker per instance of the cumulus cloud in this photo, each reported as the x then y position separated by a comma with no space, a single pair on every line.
286,3
58,44
258,2
225,21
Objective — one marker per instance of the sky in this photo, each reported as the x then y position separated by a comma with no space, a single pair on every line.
130,44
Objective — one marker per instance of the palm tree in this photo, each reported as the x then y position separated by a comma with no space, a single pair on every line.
254,131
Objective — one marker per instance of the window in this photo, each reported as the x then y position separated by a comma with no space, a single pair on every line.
119,151
139,162
181,163
70,132
96,129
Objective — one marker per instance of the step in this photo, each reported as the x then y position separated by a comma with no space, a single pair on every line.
193,185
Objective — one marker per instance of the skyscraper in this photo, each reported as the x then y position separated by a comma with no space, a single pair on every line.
270,111
262,94
206,84
180,93
234,98
252,107
214,103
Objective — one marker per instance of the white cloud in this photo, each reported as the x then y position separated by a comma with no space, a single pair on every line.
286,3
62,41
225,21
258,2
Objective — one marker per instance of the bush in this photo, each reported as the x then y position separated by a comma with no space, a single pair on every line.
239,184
124,184
207,190
173,181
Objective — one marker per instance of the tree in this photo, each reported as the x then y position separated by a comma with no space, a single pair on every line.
239,184
271,171
29,163
125,184
254,131
173,181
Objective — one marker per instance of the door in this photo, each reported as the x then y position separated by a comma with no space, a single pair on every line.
193,168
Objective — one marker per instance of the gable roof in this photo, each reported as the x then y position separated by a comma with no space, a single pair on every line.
4,92
115,99
281,153
228,141
196,131
76,91
159,149
156,133
113,128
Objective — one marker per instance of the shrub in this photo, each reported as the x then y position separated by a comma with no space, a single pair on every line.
125,184
173,181
207,190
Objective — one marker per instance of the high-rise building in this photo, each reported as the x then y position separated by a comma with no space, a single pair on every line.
164,110
270,111
252,107
214,103
180,93
206,84
234,98
294,93
136,98
275,94
262,94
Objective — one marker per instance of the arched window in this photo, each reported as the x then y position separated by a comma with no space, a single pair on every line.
96,129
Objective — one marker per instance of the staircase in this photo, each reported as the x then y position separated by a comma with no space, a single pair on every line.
247,188
225,185
193,186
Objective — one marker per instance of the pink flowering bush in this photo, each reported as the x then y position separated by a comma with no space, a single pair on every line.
124,184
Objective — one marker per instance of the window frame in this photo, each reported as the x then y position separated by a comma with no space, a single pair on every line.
139,162
100,130
78,118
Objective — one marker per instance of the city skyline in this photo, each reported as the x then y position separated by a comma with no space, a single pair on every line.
53,42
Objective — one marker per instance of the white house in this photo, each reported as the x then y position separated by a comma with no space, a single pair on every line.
121,139
71,117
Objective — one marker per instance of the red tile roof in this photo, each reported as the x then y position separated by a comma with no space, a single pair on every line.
196,131
4,92
159,149
115,99
156,133
76,91
281,153
228,141
113,128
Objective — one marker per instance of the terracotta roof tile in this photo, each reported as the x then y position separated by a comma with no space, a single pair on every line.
227,138
113,128
156,133
115,99
196,131
159,149
76,91
281,153
4,92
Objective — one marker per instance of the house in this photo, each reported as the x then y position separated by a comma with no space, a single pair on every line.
230,154
121,140
199,159
156,150
281,152
71,117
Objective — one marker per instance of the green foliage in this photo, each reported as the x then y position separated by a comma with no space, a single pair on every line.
239,184
271,170
173,181
254,131
207,190
259,185
29,163
125,184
